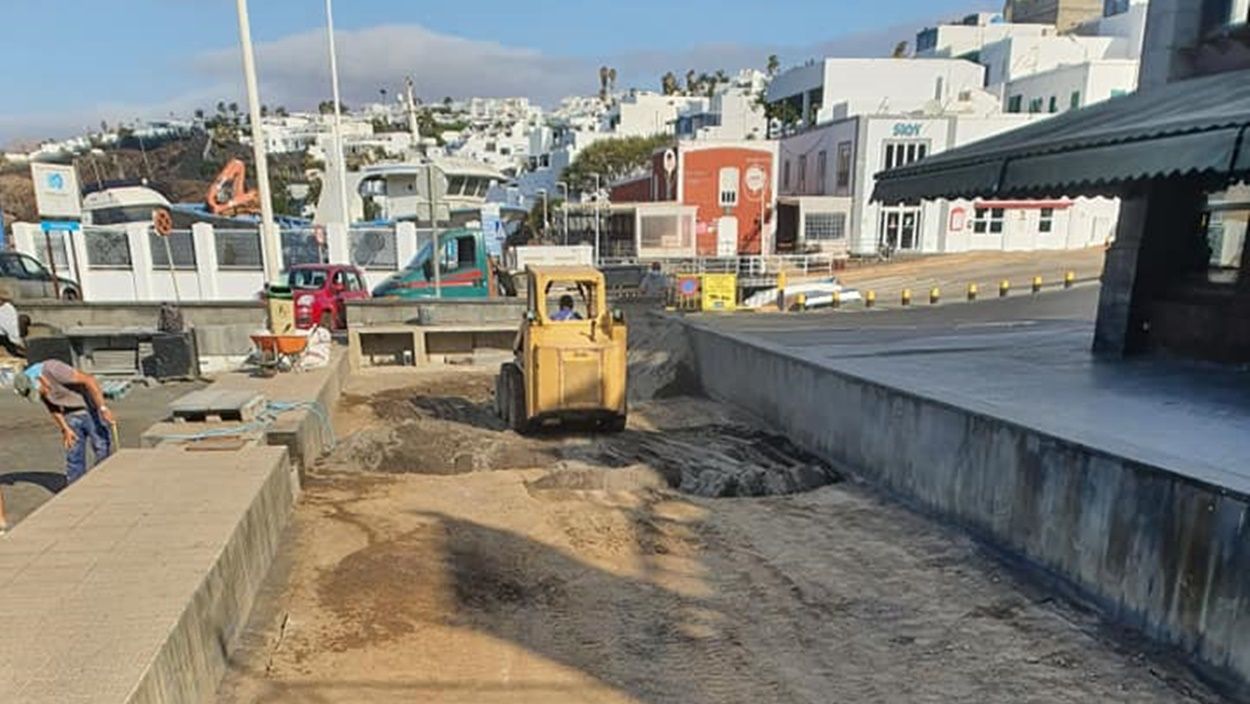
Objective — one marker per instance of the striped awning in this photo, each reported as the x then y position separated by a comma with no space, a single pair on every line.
1194,127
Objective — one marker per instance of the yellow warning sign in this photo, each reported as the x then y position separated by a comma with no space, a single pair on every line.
719,292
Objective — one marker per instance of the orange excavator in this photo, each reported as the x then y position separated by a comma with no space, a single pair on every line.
228,196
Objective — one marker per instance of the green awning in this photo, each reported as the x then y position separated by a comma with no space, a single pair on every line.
1194,127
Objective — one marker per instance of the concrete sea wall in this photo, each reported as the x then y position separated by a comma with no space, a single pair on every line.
1153,550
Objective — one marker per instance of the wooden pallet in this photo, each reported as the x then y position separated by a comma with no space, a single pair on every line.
114,389
210,405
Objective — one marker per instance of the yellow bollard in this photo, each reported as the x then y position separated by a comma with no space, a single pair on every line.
1037,284
935,296
1004,287
836,300
870,299
972,292
800,302
1069,279
781,290
905,299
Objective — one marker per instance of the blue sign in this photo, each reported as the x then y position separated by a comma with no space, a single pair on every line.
56,182
907,129
59,225
492,229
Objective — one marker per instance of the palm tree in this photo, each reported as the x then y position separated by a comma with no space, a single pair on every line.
774,65
382,92
668,84
690,82
603,82
221,108
900,50
199,113
612,79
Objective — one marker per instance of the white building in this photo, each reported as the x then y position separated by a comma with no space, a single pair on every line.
827,178
642,114
964,39
732,113
822,90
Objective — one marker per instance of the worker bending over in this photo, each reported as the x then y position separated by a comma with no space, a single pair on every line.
76,403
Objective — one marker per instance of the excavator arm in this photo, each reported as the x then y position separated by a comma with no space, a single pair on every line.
228,195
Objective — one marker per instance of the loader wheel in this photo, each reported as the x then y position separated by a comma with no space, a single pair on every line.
515,384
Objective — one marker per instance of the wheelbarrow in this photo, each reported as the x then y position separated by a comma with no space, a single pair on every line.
279,352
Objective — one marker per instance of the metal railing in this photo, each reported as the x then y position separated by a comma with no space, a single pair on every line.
746,265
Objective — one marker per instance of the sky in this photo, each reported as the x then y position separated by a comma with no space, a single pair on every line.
71,63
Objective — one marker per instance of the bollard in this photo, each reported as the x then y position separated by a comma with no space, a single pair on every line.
935,296
870,299
1004,287
836,300
800,302
905,299
1069,279
1037,284
972,292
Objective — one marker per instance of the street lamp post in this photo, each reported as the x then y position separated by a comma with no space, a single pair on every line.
268,231
543,192
564,209
341,166
597,191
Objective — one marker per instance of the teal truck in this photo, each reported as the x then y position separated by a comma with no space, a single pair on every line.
465,270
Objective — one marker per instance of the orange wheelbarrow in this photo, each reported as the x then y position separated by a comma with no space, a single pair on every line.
277,351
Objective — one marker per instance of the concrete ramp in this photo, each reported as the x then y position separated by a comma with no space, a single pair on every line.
133,586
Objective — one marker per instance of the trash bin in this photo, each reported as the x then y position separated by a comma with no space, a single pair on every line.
281,309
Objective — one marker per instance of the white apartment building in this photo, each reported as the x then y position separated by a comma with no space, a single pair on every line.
733,113
642,114
824,90
965,38
875,114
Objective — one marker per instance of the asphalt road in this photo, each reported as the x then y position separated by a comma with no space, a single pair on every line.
1078,306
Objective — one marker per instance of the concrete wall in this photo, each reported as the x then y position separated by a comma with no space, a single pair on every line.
221,328
434,312
1150,549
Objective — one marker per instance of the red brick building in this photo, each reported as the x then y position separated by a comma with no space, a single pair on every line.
732,185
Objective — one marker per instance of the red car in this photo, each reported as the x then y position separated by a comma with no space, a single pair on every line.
321,292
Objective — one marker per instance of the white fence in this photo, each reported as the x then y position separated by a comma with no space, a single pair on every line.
131,263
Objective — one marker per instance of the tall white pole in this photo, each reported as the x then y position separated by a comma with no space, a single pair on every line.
596,219
268,231
338,118
561,185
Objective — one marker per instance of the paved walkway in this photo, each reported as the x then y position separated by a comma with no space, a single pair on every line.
95,585
1036,371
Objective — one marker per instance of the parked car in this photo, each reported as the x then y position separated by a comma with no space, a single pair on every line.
33,280
321,292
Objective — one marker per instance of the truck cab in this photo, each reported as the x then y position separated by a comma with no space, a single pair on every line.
321,292
465,270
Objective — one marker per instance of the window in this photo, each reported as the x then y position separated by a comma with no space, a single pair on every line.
1219,14
1015,103
306,279
988,220
903,153
1046,220
1226,241
1035,106
802,173
121,214
33,268
1074,101
824,227
728,187
373,248
238,249
822,166
353,282
1054,104
180,245
785,175
107,249
843,177
1110,8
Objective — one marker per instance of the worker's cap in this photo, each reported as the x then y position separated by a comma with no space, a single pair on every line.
24,383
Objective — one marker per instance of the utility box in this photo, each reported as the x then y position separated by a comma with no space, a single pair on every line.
718,292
